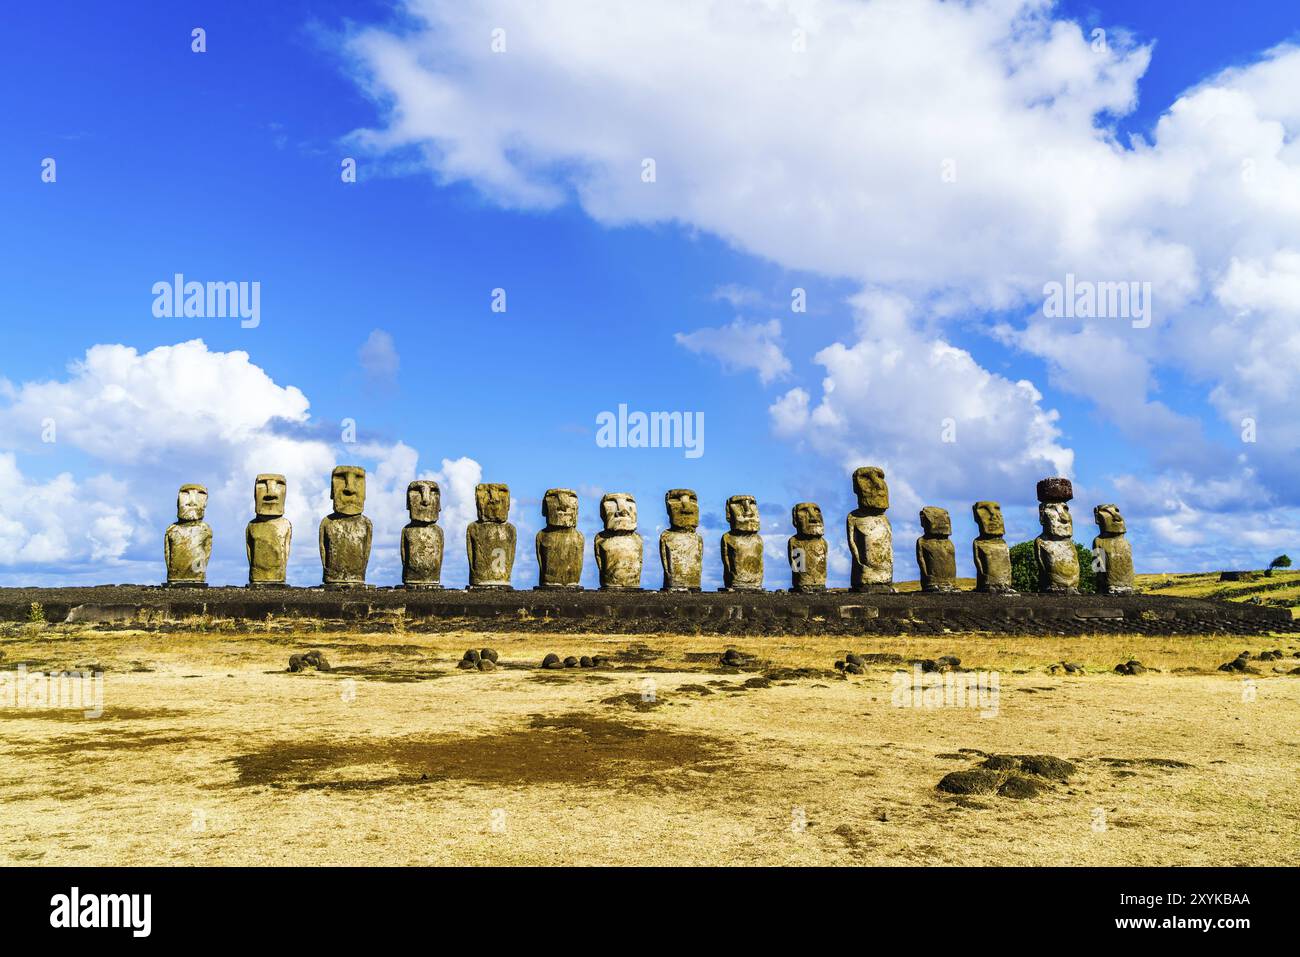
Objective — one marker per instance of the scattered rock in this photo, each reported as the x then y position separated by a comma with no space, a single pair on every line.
570,662
1130,667
552,660
486,664
599,661
948,662
490,654
312,659
466,665
1020,787
586,662
732,658
1240,664
839,665
970,782
851,669
1069,667
852,659
471,656
1268,656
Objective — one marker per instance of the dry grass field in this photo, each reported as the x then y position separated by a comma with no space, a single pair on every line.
210,752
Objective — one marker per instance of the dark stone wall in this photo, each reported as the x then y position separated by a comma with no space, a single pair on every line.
835,613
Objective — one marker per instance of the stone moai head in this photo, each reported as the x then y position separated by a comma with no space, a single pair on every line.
191,503
1109,520
560,506
935,522
870,488
683,508
742,513
348,489
269,491
988,516
618,512
492,502
1053,510
807,520
423,500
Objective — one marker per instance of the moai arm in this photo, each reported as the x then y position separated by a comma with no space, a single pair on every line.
404,550
726,559
324,562
920,561
537,550
469,545
789,552
980,570
248,544
665,559
600,560
167,551
1039,564
853,543
370,531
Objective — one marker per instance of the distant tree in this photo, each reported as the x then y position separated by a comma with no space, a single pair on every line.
1282,561
1024,569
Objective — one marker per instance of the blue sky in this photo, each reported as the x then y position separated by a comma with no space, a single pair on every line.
225,165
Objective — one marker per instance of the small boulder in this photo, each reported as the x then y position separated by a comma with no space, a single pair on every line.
552,660
969,782
948,662
471,656
586,662
466,665
312,659
570,662
599,661
490,654
1130,667
851,669
853,659
486,664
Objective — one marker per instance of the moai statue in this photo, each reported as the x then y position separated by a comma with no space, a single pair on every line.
1058,561
422,538
681,550
618,547
187,546
345,533
267,537
1112,553
992,557
871,540
560,544
806,549
935,555
490,541
742,547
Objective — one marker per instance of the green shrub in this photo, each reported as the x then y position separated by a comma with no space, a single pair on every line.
1024,569
36,614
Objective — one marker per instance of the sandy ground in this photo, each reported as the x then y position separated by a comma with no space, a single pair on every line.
209,752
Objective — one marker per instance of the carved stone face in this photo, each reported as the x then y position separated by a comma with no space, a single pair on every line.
683,508
423,500
807,519
268,495
1056,520
870,488
1109,520
936,522
742,513
988,516
191,503
492,502
348,489
618,512
560,506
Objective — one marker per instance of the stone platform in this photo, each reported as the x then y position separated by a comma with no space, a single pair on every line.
836,612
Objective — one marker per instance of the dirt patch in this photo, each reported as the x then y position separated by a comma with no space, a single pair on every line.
569,676
634,699
571,749
1016,776
77,715
388,672
1146,762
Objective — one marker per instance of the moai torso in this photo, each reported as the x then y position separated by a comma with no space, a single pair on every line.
742,561
992,565
807,563
559,557
618,557
422,555
267,542
937,560
682,554
345,548
1117,576
187,549
871,543
491,548
490,541
187,545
